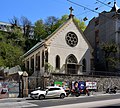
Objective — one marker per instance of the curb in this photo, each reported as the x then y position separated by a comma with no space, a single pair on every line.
12,100
28,98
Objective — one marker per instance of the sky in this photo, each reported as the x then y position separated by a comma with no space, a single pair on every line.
41,9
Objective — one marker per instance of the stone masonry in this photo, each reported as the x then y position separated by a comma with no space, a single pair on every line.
103,82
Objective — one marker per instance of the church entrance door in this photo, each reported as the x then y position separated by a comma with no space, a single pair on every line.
71,69
71,65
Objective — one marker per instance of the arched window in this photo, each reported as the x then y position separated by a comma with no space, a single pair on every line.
42,58
71,59
38,61
32,63
46,56
27,65
84,65
57,62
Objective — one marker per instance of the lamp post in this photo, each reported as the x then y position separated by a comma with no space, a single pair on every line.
20,74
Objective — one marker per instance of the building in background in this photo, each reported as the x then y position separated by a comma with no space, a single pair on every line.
104,29
7,27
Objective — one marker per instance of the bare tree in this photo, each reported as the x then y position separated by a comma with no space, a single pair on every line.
26,26
14,22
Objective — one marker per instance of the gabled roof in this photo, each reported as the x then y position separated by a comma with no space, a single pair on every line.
83,35
39,44
71,18
57,30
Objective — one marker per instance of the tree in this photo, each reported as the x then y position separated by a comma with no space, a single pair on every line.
11,47
27,33
9,55
62,20
39,30
25,29
44,29
14,22
26,24
48,67
80,24
50,24
15,37
110,50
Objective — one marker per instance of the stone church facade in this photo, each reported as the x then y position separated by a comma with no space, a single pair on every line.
65,51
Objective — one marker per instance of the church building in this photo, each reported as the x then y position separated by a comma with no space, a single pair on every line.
65,51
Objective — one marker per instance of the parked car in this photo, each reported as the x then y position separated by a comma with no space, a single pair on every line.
48,92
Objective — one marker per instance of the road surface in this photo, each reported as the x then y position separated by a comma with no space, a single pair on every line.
101,101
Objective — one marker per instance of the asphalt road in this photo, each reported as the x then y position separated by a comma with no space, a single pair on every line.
79,102
101,101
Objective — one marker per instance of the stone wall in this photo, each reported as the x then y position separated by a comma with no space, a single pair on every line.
102,81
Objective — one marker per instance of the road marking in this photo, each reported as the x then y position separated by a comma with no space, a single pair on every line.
89,104
16,105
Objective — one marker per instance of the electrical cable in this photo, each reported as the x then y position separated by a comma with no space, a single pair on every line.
104,3
90,9
93,29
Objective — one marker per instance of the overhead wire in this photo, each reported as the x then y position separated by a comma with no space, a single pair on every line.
98,13
90,9
82,6
104,3
82,14
85,18
97,2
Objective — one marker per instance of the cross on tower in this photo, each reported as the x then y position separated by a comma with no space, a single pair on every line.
71,15
71,9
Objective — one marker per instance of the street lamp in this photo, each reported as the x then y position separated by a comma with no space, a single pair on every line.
20,73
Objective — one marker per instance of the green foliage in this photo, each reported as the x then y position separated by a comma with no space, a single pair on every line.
44,29
16,36
48,67
80,24
14,43
26,26
39,29
50,24
110,50
62,20
11,48
2,62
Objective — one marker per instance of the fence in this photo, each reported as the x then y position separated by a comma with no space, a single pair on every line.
103,79
105,73
34,82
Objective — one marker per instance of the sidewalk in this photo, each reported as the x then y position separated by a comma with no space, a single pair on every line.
97,93
102,93
12,100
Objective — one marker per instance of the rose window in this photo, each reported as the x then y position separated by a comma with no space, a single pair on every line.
71,39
